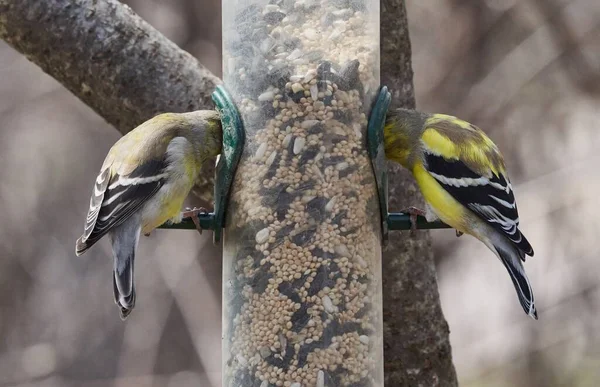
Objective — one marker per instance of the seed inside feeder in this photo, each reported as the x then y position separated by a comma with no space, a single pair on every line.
302,247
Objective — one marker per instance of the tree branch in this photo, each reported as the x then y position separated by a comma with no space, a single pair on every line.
111,59
107,56
416,335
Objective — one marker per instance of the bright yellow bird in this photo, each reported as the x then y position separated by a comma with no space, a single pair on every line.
463,179
143,183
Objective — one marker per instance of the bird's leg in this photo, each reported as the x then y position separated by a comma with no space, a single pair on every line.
413,212
193,213
458,233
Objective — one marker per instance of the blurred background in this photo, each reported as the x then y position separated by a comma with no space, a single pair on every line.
527,71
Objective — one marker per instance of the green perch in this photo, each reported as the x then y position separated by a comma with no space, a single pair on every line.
395,221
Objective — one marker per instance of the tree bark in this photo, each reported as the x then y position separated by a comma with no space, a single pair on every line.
416,335
112,60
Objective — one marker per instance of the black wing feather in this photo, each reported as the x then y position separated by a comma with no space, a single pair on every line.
126,199
494,202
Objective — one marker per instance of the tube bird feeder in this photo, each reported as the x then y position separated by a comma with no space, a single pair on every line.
302,297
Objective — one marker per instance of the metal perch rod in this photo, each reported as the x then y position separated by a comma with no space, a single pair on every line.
396,221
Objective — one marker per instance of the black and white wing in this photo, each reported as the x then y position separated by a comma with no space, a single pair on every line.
491,198
116,197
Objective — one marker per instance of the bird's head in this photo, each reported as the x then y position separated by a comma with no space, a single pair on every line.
401,127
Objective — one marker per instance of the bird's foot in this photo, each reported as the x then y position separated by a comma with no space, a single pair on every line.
193,213
146,234
413,212
458,233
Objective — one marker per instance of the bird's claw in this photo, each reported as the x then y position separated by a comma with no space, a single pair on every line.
414,212
458,233
193,214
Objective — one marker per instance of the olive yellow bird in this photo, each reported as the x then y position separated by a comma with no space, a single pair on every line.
143,183
463,179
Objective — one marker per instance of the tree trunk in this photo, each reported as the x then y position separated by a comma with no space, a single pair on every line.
416,335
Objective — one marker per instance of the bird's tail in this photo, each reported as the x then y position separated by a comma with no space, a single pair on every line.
511,256
124,243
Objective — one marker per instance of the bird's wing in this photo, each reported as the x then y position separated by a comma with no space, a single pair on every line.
117,196
469,166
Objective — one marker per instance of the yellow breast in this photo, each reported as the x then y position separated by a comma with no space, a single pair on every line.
448,209
168,202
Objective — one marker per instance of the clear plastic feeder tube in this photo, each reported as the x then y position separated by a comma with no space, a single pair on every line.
302,303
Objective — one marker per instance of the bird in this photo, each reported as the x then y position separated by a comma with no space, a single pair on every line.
143,183
462,177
